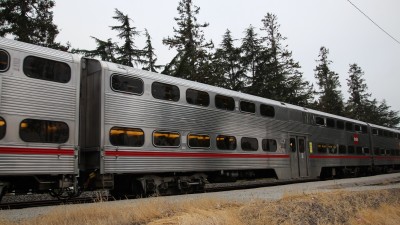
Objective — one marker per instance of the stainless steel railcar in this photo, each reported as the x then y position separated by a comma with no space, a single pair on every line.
67,121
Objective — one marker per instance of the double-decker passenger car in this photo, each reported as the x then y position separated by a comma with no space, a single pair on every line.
67,121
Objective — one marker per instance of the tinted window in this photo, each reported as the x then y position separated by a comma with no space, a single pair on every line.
247,107
350,150
2,128
4,61
332,149
166,139
267,110
321,148
320,121
364,129
165,91
359,150
380,132
357,128
249,144
224,102
330,122
374,131
126,84
122,136
198,141
293,146
377,151
46,69
342,149
226,142
340,124
366,151
349,126
269,145
32,130
302,146
197,97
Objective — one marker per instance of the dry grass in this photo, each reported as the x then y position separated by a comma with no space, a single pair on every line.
373,207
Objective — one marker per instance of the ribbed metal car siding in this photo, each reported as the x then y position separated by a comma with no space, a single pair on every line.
11,164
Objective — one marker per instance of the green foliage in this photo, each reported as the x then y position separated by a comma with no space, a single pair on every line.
105,50
330,97
193,54
30,21
149,57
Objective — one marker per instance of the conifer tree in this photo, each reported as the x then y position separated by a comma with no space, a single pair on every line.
330,97
105,50
228,62
127,52
30,21
193,60
149,57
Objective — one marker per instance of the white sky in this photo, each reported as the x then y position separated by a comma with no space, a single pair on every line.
307,24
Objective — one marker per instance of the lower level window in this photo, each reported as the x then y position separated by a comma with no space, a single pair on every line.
249,144
198,141
226,142
269,145
123,136
45,131
2,127
166,139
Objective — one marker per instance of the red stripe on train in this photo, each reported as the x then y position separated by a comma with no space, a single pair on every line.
36,151
340,157
190,154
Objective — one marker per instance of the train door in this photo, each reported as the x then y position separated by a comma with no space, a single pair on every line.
298,156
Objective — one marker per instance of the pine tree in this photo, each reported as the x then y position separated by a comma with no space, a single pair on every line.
330,100
193,60
127,52
149,57
228,62
105,50
30,21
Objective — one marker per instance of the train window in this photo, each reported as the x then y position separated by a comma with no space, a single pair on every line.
165,91
340,124
383,151
374,131
166,139
302,146
359,150
330,122
247,107
46,69
380,132
320,121
388,151
123,136
342,149
249,144
32,130
357,128
198,141
224,102
364,129
293,146
226,142
377,151
4,61
269,145
332,149
350,150
349,126
267,110
3,127
385,133
126,84
321,148
366,151
197,97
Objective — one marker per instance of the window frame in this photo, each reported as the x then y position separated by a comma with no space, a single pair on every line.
129,77
226,136
165,146
248,149
224,97
267,140
166,84
192,147
29,74
40,141
267,107
8,60
190,89
247,102
127,129
340,125
319,119
330,123
3,127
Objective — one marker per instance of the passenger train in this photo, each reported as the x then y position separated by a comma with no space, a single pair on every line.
70,123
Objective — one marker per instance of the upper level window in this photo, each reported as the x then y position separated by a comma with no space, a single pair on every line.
357,128
267,110
196,97
4,61
123,136
165,91
364,129
224,102
320,121
249,144
226,142
349,126
126,84
46,69
198,141
45,131
166,139
247,107
340,124
374,131
330,122
2,128
269,145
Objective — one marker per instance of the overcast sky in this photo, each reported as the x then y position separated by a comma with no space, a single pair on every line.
307,24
